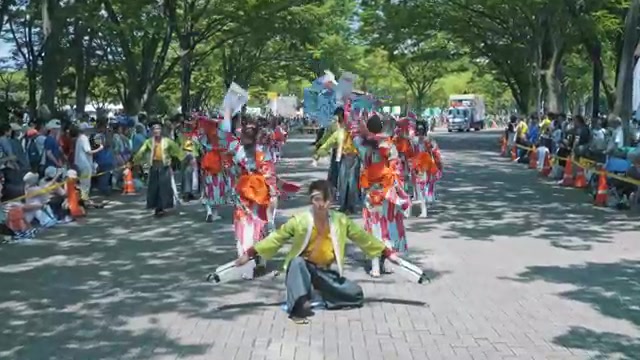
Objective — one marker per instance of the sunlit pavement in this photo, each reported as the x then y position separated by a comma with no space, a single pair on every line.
520,269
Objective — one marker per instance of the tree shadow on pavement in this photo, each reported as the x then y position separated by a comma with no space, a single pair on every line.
99,291
489,197
612,289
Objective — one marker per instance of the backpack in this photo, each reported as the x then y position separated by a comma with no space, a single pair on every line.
33,153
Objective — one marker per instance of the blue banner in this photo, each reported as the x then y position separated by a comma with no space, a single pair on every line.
362,102
326,107
311,102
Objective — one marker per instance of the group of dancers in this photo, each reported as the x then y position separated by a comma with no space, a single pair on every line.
379,163
235,166
384,165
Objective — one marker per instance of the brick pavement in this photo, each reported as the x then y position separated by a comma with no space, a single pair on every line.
521,270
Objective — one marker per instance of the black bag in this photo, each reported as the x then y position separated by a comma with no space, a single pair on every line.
34,154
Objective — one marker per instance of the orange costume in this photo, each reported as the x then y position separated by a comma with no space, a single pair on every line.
404,132
384,199
426,167
215,164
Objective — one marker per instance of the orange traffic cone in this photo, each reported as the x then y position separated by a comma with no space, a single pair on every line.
567,178
533,158
580,181
546,168
514,152
128,188
602,192
73,197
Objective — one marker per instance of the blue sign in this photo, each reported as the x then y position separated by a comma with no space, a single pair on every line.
362,102
311,102
326,107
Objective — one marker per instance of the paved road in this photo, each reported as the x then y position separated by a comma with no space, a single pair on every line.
520,269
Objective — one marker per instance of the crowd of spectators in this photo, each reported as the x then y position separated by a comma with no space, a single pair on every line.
600,141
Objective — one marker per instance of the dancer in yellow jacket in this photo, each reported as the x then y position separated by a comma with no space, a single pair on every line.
317,254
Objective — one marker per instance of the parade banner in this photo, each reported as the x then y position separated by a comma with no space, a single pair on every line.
345,85
234,100
326,107
362,102
311,102
284,106
326,81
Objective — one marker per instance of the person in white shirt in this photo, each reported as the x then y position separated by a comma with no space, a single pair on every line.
83,160
617,136
36,202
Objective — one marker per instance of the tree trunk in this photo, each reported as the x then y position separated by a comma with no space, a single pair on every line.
50,74
553,75
79,63
133,98
33,88
624,83
51,59
186,71
185,84
419,95
596,58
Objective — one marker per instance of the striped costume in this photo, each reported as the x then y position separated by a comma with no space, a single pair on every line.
385,200
426,169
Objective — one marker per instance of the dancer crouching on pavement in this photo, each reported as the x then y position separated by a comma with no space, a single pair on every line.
318,239
161,151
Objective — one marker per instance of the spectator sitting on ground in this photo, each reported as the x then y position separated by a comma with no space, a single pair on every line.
615,146
633,191
14,211
598,138
582,137
37,210
56,196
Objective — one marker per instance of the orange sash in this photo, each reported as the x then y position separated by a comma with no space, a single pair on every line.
403,145
279,136
424,162
253,187
378,173
212,162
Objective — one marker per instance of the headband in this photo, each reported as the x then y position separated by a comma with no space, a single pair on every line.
316,193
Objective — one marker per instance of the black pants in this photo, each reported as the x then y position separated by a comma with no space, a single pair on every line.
336,291
319,135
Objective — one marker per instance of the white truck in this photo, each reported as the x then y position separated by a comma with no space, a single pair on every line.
465,112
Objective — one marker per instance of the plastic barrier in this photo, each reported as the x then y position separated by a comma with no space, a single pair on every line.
587,164
603,171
